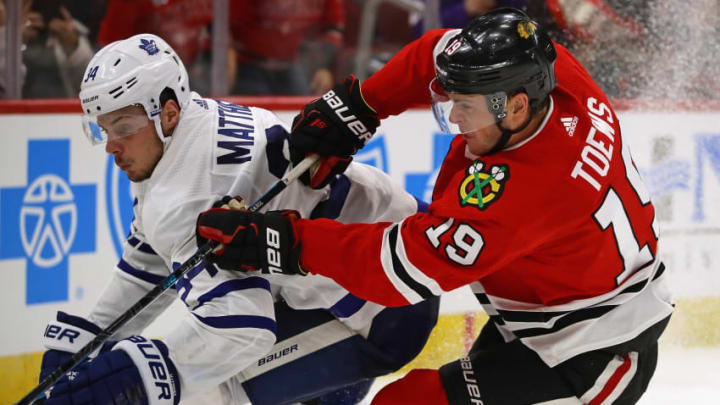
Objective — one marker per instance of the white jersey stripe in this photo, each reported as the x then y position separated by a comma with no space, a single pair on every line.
646,273
387,264
413,271
608,380
602,379
624,380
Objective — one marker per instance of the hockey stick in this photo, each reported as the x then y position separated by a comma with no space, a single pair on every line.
38,392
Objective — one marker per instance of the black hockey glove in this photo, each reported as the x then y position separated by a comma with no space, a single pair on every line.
251,240
334,126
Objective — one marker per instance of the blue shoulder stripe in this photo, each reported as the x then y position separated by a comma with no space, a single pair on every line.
239,321
144,247
347,306
234,285
422,206
142,275
331,208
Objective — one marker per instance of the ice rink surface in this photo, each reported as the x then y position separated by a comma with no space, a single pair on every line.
685,376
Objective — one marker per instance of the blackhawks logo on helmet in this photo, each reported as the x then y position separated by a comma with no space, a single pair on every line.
526,29
483,186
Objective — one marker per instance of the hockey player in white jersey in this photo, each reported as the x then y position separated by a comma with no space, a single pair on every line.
265,339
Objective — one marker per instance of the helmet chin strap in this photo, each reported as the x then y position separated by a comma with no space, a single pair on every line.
505,134
158,129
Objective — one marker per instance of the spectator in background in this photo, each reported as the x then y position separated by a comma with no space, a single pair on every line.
182,23
269,36
610,38
458,13
56,50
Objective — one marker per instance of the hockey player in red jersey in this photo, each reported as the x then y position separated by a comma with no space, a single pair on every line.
538,206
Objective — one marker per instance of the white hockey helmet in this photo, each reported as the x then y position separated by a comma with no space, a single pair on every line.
133,71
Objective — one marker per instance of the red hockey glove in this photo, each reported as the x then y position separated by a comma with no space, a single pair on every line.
252,240
335,126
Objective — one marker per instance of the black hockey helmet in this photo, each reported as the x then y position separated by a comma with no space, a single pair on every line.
503,51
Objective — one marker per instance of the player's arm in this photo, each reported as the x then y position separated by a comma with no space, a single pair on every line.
398,263
390,263
137,272
119,369
231,322
403,82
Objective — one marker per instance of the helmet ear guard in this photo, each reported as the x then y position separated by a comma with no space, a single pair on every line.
135,71
497,104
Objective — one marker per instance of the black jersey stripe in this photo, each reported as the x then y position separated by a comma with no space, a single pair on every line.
567,320
497,319
400,270
482,298
547,316
660,271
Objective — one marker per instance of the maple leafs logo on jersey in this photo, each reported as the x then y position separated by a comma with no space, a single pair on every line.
148,46
525,29
482,187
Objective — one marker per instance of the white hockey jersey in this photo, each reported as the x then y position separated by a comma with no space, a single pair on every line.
219,149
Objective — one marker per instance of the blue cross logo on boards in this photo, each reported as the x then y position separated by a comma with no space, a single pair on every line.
421,184
374,153
47,220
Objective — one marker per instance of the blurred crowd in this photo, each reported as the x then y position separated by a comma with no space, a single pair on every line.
633,48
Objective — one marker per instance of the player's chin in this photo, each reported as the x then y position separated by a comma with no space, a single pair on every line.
136,176
477,147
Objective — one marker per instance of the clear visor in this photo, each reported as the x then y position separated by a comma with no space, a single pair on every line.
113,125
466,113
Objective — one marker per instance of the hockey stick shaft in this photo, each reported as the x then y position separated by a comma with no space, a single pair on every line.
38,392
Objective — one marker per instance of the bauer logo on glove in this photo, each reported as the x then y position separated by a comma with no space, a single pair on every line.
334,126
252,240
351,121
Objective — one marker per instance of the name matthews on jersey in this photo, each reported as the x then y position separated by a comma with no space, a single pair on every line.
241,133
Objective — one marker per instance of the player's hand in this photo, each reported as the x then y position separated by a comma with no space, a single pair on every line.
63,27
135,371
64,337
231,203
251,240
334,126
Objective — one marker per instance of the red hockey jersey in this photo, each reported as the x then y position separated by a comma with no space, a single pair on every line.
275,29
556,235
179,22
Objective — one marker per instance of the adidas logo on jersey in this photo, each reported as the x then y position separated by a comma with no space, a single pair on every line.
570,123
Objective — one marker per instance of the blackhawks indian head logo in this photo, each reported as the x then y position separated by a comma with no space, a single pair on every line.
483,185
526,29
